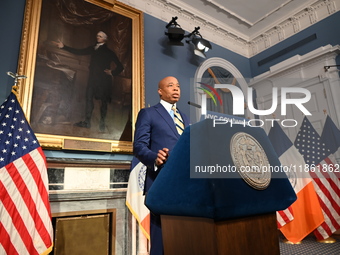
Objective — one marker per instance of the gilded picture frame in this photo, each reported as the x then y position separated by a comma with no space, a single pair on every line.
55,96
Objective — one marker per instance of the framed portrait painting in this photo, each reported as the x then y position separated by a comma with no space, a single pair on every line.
84,65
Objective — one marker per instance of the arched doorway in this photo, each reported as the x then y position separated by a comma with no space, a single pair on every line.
218,71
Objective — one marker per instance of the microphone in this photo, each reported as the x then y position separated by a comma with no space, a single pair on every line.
194,104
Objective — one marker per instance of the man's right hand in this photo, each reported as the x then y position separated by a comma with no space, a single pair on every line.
59,44
162,156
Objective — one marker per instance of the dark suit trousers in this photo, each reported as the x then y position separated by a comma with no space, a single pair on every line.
156,235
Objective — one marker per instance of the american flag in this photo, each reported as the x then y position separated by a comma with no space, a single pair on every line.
25,215
331,135
284,216
317,155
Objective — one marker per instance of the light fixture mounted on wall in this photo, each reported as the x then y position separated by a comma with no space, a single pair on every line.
327,67
201,45
176,34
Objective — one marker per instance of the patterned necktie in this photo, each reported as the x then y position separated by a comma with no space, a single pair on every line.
178,120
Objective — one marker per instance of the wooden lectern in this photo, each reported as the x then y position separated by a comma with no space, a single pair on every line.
255,235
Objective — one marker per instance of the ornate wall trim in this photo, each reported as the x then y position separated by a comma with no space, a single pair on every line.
221,34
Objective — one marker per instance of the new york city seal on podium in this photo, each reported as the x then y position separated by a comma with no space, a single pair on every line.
250,160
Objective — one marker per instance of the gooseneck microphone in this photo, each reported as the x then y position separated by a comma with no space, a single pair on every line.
194,104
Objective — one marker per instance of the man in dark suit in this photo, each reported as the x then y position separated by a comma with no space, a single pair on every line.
155,136
100,77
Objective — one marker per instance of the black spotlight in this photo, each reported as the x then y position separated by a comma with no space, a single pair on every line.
201,45
174,32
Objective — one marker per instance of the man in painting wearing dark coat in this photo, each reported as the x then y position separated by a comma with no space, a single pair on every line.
100,77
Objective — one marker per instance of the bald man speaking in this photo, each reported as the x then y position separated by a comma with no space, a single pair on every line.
158,129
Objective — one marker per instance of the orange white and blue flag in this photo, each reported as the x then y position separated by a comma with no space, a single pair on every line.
135,197
306,210
322,169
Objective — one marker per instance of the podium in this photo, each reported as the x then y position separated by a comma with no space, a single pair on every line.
255,235
220,211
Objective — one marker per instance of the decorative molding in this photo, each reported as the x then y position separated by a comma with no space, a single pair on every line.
293,64
221,34
62,196
303,71
249,23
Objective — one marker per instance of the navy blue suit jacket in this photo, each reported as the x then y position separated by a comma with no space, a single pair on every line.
155,129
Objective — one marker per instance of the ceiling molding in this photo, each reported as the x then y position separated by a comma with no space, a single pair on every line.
225,36
245,20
